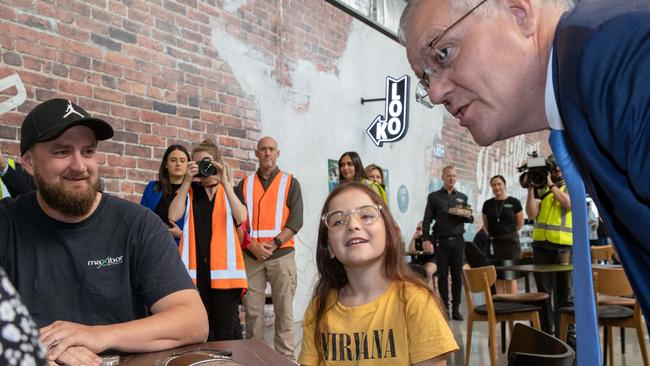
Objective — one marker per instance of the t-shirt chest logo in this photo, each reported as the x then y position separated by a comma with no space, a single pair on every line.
376,344
105,262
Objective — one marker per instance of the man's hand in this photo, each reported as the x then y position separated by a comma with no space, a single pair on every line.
427,246
261,250
77,356
59,336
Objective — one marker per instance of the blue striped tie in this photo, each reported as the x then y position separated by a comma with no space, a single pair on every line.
588,345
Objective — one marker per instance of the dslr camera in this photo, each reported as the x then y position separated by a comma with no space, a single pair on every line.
207,167
536,169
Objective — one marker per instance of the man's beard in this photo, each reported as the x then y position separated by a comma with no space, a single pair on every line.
70,203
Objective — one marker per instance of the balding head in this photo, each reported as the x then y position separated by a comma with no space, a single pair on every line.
267,154
266,141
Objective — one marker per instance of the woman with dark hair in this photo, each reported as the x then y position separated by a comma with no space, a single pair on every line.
351,170
502,218
158,194
366,292
210,246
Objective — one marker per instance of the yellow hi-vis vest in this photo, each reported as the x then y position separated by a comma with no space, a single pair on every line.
4,193
267,210
554,223
227,270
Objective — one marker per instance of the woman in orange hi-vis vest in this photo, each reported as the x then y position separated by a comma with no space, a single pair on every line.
210,247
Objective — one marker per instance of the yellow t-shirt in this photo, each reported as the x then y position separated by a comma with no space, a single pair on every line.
391,330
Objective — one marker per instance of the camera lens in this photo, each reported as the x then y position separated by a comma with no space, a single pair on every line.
206,168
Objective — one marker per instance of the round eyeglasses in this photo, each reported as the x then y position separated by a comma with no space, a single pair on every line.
338,219
437,60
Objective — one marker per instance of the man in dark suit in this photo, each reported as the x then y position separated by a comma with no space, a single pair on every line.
507,67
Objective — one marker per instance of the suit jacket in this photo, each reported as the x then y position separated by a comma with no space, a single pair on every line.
601,71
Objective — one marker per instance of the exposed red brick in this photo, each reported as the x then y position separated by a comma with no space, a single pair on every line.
107,94
76,88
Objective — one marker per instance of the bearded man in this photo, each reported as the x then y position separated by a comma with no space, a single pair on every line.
87,264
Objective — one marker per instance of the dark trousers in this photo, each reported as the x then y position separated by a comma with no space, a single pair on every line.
548,253
449,257
223,313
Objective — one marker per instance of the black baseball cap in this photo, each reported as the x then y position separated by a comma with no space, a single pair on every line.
51,118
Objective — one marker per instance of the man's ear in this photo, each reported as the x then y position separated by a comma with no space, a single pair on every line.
26,161
525,13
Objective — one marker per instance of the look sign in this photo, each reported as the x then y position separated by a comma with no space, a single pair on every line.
392,126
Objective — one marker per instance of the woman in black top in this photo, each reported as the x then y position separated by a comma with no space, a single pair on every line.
502,218
426,260
159,193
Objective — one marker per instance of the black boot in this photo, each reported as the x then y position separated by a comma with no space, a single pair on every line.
456,315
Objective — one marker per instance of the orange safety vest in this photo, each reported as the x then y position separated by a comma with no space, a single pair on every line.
227,270
267,210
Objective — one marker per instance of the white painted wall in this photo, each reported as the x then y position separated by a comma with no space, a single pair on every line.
320,117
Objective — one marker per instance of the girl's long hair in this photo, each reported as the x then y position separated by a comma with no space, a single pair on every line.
359,172
164,183
332,274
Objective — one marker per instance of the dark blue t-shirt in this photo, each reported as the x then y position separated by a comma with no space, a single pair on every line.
103,270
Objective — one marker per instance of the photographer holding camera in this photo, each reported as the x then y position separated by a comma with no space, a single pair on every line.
549,205
210,247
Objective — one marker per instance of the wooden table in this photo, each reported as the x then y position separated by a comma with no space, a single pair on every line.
248,352
544,268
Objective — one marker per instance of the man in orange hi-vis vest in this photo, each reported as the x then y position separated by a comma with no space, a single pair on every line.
274,204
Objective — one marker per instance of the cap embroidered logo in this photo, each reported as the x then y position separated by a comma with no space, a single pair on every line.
71,110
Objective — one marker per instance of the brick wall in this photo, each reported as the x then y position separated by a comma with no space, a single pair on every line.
151,70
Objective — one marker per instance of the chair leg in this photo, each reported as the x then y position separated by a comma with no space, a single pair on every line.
492,343
468,346
536,323
503,336
642,344
610,345
564,324
605,343
622,340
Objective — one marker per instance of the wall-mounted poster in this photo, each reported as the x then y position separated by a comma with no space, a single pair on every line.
332,174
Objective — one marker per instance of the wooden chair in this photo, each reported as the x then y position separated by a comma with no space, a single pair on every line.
477,258
602,253
532,347
480,280
614,283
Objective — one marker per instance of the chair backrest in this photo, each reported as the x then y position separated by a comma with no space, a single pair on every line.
532,347
602,253
476,278
612,281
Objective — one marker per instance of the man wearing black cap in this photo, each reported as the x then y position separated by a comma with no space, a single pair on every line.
87,264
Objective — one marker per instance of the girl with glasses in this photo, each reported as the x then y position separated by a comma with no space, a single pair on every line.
368,307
